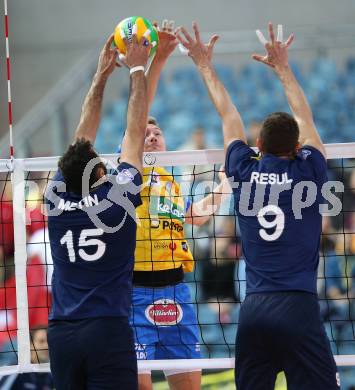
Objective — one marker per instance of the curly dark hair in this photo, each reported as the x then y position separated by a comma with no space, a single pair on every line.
73,162
279,134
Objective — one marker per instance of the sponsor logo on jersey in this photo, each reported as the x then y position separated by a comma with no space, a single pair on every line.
164,245
172,246
184,246
154,223
306,153
164,312
124,176
88,201
160,245
140,351
154,178
171,225
173,211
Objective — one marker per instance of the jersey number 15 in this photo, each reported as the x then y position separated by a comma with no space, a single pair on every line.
84,240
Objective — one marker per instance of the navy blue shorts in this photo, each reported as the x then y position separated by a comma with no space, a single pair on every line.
95,353
283,332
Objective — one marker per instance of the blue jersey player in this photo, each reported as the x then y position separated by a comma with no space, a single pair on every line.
277,197
92,232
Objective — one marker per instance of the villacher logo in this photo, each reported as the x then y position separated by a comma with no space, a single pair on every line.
164,312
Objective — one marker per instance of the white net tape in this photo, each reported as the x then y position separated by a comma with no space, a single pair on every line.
22,168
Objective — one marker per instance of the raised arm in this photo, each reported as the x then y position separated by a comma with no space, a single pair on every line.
201,54
200,212
167,44
91,109
137,111
277,58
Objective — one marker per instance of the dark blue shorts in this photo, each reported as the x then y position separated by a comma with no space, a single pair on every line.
283,332
95,353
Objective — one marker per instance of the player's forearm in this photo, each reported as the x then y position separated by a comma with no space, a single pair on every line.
232,123
153,76
91,110
297,101
137,112
202,211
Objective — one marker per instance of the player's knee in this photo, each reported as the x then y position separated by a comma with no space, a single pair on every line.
145,382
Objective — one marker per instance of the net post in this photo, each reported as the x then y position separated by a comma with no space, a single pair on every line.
23,332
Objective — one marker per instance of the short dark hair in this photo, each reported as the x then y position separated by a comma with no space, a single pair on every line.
73,162
279,134
153,121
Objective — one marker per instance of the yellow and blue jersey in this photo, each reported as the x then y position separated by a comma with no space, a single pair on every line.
161,242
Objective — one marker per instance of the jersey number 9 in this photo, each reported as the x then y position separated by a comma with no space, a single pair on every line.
278,222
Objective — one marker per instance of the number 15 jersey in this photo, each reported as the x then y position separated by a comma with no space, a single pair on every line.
277,203
92,241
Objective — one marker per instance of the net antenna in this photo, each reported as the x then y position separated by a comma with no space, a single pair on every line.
20,254
8,73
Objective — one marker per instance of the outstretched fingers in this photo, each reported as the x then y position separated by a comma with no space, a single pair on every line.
186,35
181,38
261,37
109,42
196,31
280,34
262,59
164,24
289,40
212,42
258,57
171,26
125,40
134,35
271,33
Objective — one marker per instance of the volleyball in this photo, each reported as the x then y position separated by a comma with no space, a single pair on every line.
125,28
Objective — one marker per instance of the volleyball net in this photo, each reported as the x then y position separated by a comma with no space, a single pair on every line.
217,283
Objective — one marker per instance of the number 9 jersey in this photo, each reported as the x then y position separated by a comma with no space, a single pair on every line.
277,203
92,239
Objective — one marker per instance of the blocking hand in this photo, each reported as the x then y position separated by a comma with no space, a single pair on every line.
107,59
167,39
137,52
200,53
276,50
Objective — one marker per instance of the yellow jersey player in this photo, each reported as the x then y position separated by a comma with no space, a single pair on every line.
164,320
163,317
